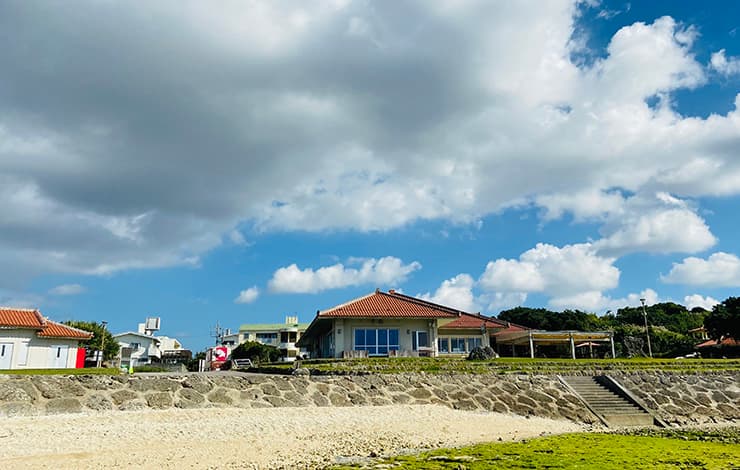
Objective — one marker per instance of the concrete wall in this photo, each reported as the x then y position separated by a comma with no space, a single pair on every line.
38,349
538,395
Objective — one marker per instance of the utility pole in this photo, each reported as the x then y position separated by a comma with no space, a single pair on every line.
218,333
102,344
647,331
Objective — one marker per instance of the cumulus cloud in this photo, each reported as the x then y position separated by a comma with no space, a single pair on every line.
663,224
383,271
456,292
724,65
719,270
697,300
67,289
396,112
595,301
555,271
247,296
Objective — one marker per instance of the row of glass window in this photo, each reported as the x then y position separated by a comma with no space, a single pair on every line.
376,341
457,345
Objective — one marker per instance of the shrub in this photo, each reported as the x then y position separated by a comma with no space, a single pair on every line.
257,352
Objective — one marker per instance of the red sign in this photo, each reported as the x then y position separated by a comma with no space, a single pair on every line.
220,353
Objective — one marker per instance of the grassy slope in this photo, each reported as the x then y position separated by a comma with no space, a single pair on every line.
508,365
88,371
679,450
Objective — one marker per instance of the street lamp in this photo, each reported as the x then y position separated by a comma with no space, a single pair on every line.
647,331
102,344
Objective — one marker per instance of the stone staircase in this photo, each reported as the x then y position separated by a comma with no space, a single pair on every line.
607,402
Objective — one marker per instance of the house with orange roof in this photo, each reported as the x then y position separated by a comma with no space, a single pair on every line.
28,340
394,324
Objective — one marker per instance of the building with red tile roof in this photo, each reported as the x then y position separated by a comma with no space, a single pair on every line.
28,340
391,324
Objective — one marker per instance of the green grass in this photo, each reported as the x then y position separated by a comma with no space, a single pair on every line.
656,450
89,371
506,366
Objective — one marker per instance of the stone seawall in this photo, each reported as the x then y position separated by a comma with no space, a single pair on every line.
678,399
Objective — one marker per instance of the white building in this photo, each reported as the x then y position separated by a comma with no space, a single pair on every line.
283,336
28,340
143,347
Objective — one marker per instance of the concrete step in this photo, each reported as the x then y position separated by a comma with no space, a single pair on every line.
641,419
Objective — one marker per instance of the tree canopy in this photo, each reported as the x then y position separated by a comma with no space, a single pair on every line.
724,320
95,343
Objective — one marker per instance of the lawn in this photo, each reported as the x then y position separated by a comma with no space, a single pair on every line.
87,371
504,366
660,449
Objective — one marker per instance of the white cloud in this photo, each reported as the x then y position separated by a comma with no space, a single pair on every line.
719,270
384,271
663,224
498,301
723,65
67,289
467,109
247,296
456,292
697,300
594,301
570,270
584,205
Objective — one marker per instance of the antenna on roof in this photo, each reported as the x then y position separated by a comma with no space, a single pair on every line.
218,333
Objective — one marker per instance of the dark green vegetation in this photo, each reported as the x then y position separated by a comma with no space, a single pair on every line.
257,352
95,343
88,371
671,449
669,325
725,319
504,365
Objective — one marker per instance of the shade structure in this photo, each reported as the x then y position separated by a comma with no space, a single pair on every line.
532,337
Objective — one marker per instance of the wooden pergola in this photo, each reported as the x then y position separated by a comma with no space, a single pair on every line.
530,338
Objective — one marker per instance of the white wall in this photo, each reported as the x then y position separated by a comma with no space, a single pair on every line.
37,354
344,331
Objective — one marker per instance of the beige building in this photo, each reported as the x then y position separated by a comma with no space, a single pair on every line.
393,324
28,340
283,336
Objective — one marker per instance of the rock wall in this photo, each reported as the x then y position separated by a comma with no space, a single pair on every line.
678,399
687,398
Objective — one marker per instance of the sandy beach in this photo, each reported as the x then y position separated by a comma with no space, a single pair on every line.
251,438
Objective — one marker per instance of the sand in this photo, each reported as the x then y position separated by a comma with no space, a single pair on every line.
251,438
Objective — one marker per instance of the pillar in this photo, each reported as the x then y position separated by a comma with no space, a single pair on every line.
572,347
531,346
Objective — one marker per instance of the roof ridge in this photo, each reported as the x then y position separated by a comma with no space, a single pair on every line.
425,302
337,307
20,309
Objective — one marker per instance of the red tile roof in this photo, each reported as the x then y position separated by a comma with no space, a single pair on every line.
727,341
390,304
468,321
21,318
11,317
58,330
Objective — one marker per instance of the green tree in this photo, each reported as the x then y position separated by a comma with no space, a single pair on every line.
724,320
257,352
99,332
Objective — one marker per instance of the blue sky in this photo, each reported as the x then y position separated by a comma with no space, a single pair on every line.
272,159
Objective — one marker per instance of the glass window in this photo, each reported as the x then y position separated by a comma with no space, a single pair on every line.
371,337
376,341
393,338
457,345
443,344
473,343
